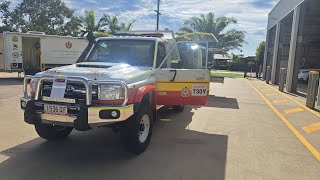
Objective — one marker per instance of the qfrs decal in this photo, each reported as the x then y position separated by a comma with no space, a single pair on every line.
185,92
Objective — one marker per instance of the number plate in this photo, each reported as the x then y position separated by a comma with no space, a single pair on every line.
55,109
199,90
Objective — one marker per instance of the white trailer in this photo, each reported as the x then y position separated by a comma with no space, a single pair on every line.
33,52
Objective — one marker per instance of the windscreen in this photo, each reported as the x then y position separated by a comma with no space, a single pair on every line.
132,52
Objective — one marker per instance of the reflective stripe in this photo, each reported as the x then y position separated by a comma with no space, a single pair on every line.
111,108
144,73
177,86
24,100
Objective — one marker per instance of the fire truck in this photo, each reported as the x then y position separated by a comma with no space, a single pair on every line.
120,82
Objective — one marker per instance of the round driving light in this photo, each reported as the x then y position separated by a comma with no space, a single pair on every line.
23,104
114,114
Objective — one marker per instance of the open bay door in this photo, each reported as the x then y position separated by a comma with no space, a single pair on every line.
183,77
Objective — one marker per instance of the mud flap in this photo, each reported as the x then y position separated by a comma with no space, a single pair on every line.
81,123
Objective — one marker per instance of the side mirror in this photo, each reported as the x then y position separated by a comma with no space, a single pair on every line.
176,64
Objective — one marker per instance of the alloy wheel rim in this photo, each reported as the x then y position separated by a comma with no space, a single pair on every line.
144,128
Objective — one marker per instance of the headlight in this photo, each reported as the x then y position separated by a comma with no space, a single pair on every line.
33,86
109,92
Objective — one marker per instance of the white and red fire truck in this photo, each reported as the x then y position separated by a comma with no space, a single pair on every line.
120,82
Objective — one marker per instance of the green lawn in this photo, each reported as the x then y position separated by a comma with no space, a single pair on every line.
226,74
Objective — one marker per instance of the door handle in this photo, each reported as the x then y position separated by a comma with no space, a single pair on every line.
174,76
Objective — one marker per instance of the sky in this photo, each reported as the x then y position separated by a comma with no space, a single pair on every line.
252,15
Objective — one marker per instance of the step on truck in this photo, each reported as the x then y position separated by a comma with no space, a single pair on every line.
120,82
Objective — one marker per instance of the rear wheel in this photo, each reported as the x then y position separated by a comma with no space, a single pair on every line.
135,133
52,132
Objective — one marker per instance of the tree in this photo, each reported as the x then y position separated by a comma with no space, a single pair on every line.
71,27
260,53
127,27
112,22
228,38
88,21
49,16
5,16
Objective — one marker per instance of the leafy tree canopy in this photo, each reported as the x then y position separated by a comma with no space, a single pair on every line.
260,52
88,22
49,16
5,15
220,27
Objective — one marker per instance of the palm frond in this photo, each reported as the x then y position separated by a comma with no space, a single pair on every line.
223,22
232,39
185,30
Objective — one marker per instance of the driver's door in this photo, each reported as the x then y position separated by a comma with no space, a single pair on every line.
182,78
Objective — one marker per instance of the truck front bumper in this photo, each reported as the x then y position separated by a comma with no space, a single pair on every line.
82,118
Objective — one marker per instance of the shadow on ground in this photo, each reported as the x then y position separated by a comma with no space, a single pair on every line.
174,153
222,102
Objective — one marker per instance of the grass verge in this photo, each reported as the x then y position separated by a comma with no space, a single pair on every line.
226,74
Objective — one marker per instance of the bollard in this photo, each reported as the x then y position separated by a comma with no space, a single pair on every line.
312,89
260,71
282,79
319,96
268,77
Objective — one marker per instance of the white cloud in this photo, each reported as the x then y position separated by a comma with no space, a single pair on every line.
251,14
252,18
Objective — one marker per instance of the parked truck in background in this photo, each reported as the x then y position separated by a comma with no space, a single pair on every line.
33,52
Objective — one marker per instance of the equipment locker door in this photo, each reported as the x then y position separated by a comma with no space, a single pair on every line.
182,78
31,55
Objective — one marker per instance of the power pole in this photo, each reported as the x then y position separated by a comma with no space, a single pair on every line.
158,14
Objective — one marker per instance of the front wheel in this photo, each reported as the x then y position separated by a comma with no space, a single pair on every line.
52,132
135,133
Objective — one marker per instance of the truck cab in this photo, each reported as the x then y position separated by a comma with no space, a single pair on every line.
120,83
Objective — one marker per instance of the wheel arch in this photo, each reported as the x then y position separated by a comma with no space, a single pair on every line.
146,93
148,90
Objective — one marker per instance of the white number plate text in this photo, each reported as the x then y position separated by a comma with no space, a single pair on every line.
199,90
55,109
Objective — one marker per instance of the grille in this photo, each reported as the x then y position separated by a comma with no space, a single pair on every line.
74,90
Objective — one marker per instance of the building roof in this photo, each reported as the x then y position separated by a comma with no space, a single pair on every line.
223,56
281,10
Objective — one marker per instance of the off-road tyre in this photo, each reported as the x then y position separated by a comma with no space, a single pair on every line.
131,130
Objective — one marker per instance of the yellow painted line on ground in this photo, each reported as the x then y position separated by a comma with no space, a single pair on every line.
263,87
280,101
303,140
312,128
295,110
269,95
266,89
300,104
